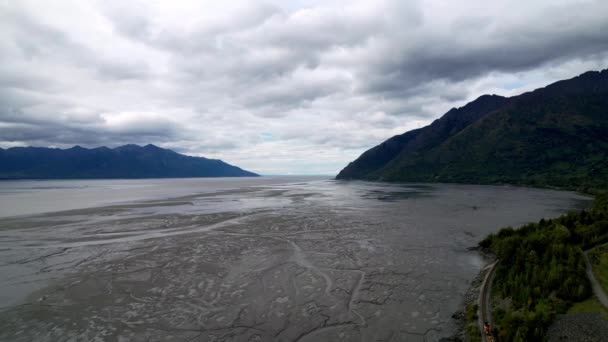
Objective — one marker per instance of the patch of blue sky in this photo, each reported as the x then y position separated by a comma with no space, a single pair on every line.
515,84
267,136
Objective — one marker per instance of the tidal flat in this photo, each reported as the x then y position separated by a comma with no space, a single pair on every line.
266,259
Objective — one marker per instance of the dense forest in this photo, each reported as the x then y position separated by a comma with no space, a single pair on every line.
541,270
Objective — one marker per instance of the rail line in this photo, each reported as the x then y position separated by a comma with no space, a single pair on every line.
485,309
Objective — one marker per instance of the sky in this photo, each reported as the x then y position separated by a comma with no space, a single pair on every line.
274,87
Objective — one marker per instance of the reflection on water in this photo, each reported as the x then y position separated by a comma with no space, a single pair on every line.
282,259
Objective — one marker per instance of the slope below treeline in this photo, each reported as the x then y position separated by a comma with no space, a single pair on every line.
553,136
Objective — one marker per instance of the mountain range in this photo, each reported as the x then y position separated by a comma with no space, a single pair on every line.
128,161
555,136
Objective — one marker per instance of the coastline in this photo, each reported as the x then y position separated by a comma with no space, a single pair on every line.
466,318
471,297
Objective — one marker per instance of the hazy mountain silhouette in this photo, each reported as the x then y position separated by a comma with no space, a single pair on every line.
128,161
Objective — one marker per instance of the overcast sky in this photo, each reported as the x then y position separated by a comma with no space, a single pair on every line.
275,87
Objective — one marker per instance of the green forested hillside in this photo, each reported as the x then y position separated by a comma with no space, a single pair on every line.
541,270
554,136
411,142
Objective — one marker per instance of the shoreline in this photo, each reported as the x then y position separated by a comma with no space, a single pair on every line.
471,297
462,318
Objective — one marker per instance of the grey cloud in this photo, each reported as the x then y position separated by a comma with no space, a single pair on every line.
123,70
129,18
561,33
64,135
132,19
35,41
72,129
33,38
282,81
291,92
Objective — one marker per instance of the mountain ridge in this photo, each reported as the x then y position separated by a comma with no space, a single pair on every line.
126,161
515,141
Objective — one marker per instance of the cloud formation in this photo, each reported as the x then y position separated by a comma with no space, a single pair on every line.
302,86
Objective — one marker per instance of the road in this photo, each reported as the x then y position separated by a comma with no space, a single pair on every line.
485,309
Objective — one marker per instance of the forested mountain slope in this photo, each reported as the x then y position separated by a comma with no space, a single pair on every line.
553,136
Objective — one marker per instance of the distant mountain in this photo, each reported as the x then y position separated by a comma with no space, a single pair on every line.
129,161
553,136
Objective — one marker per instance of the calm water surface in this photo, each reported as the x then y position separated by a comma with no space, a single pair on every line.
248,259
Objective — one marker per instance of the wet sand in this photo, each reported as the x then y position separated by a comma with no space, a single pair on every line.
307,261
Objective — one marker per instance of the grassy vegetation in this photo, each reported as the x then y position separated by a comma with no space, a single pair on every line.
591,305
542,270
471,328
599,261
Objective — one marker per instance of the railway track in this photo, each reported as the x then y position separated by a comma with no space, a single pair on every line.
485,309
599,292
484,300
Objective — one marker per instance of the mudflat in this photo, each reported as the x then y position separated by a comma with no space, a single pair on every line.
257,260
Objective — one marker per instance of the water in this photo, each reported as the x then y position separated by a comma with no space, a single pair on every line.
27,197
266,259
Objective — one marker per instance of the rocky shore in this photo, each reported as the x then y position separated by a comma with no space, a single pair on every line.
470,298
582,327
